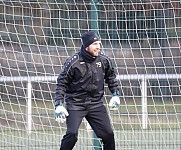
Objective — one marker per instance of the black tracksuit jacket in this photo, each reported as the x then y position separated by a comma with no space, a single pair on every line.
81,81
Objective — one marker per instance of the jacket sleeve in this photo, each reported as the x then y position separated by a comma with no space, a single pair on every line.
110,77
63,81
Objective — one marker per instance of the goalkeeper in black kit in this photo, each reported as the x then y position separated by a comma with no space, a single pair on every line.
81,86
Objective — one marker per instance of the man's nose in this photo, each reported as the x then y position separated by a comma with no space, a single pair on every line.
98,46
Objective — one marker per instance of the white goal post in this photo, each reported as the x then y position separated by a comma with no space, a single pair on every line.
142,77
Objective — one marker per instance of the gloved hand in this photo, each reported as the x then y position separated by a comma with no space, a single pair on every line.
114,103
61,113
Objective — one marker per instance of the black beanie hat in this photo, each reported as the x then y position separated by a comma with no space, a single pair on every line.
88,38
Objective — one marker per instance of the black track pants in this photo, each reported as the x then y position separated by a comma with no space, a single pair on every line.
99,121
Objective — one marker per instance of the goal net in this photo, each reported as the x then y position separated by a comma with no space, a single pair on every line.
143,40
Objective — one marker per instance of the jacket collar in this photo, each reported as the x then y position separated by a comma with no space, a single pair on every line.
86,55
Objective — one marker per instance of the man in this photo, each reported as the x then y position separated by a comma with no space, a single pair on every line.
81,85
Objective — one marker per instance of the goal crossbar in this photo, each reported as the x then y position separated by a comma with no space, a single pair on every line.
120,77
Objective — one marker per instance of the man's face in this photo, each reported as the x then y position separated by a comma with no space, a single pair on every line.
94,48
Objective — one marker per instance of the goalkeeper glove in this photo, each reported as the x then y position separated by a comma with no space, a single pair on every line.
61,113
114,102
